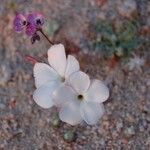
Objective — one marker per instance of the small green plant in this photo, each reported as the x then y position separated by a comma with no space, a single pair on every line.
119,41
69,136
55,120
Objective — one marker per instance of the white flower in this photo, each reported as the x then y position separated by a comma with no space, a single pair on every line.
81,99
49,78
136,63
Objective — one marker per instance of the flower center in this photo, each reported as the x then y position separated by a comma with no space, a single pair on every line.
24,22
62,79
80,97
38,21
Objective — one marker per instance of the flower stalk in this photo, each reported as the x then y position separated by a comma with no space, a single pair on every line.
41,31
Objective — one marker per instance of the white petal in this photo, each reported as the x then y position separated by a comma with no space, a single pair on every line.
43,74
57,58
70,113
91,112
63,95
43,95
97,92
72,66
79,81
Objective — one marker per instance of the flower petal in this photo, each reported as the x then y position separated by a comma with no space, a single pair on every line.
19,22
79,81
97,92
57,58
72,66
63,95
70,113
43,95
30,30
35,19
43,74
91,112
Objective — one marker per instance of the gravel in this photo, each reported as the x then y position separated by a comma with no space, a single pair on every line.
25,126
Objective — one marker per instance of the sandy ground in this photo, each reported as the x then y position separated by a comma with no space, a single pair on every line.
126,122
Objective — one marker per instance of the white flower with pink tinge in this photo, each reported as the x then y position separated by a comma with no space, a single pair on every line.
49,77
81,99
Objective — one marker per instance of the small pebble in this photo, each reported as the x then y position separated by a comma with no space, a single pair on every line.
126,8
130,131
2,106
119,126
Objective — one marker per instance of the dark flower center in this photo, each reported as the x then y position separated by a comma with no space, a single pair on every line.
38,21
24,22
80,97
62,79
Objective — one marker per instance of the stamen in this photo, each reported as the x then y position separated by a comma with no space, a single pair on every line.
40,30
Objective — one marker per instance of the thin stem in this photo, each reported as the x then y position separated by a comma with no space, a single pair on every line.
46,36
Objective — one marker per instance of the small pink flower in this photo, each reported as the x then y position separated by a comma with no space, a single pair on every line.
19,23
30,24
36,19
